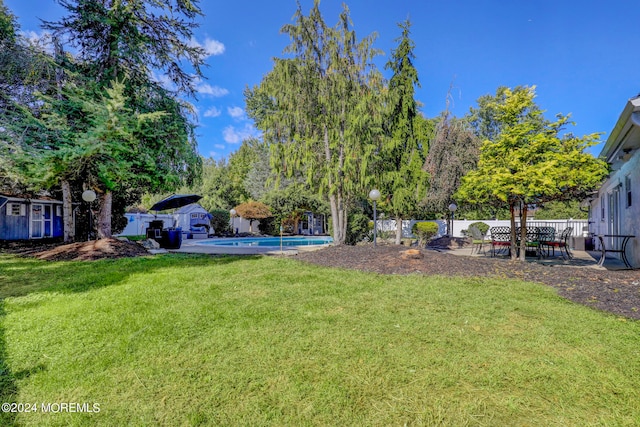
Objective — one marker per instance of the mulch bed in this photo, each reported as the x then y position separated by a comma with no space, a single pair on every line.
617,292
79,251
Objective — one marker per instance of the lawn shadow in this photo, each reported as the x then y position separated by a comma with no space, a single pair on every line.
21,276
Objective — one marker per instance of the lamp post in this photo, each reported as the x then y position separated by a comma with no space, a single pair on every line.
233,212
374,195
89,196
452,208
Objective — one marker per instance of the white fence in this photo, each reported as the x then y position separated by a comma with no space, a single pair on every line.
580,226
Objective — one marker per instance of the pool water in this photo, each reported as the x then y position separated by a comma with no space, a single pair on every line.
269,241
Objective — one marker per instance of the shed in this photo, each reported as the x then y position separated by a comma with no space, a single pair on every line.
194,220
25,218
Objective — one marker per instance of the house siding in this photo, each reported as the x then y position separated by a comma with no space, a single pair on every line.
625,139
629,216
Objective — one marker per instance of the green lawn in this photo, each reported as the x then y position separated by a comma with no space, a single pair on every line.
192,340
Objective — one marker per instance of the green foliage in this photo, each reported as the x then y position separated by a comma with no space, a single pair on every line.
358,228
400,157
118,40
220,221
561,210
288,204
480,226
425,231
132,330
528,162
269,226
318,109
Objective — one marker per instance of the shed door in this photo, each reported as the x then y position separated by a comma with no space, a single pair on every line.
48,221
37,223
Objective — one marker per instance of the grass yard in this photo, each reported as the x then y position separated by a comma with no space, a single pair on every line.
193,340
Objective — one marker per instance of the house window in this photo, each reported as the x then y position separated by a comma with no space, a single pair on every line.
627,189
58,210
16,209
602,208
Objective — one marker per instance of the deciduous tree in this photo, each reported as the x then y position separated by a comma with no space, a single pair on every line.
528,162
253,211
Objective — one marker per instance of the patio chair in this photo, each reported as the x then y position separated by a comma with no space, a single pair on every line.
500,238
478,240
562,243
546,235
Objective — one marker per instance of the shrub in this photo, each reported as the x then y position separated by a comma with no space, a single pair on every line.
480,226
357,228
220,221
425,231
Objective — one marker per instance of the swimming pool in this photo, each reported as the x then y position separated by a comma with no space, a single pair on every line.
269,241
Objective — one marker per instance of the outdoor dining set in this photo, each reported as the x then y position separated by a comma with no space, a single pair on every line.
543,241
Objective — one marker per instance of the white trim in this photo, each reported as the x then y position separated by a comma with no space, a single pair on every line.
23,209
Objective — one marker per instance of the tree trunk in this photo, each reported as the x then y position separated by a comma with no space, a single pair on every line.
523,232
104,215
514,240
69,231
398,230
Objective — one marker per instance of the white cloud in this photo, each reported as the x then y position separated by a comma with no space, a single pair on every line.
212,112
236,136
43,39
235,112
220,146
215,91
211,47
164,80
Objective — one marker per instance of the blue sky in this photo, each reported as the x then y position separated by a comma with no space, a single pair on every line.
581,55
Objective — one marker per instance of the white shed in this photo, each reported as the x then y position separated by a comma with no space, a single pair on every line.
194,220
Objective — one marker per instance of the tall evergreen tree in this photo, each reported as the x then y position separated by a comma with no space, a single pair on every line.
128,41
315,106
401,156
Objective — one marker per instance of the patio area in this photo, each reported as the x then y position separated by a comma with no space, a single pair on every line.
588,259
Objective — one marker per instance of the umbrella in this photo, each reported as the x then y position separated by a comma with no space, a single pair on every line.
175,201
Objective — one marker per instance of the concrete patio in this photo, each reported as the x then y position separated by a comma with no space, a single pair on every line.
587,259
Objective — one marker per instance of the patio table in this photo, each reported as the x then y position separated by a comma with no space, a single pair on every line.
622,239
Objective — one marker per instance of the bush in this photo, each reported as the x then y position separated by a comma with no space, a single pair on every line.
268,226
425,231
480,226
357,228
220,221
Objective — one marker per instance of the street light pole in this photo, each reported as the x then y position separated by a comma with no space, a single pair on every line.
89,196
452,208
233,212
374,195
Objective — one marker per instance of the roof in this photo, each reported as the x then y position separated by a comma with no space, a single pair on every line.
193,207
24,198
625,136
